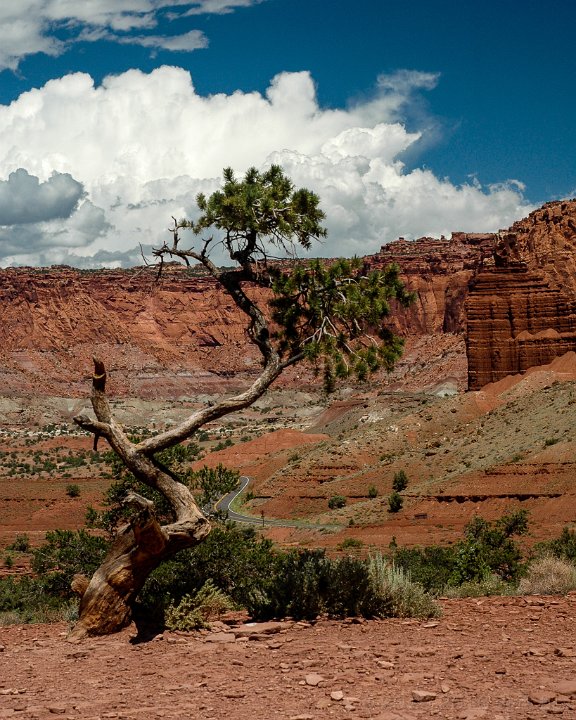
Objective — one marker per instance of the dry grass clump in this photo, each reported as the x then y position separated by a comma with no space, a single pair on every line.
549,576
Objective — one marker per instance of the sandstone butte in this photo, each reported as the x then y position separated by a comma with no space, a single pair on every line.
512,294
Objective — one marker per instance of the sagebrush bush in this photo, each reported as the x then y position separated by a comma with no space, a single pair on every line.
404,597
196,611
489,585
549,575
336,502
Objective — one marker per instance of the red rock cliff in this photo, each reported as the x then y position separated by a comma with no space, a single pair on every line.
521,310
439,272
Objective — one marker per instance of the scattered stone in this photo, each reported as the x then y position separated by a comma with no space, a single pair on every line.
221,637
57,709
385,664
323,704
565,652
337,695
234,694
424,652
2,648
445,688
302,717
565,687
423,696
541,697
265,628
313,679
430,624
473,713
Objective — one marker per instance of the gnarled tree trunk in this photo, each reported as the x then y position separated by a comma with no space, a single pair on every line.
106,599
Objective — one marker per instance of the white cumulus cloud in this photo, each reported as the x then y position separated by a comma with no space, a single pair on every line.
28,27
143,145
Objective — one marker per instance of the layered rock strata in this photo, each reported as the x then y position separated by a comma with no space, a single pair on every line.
439,272
521,308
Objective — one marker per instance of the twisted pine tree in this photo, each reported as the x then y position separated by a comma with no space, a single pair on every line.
327,313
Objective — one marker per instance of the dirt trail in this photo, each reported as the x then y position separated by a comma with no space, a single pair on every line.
495,658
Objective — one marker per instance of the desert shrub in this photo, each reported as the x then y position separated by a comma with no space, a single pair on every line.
64,554
8,560
549,575
372,492
430,566
21,544
296,586
489,585
396,590
307,583
488,548
336,501
235,558
400,481
395,502
25,600
350,543
195,611
73,491
562,547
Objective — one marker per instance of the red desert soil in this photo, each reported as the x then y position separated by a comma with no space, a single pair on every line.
496,658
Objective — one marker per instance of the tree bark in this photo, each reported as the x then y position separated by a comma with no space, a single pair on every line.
106,600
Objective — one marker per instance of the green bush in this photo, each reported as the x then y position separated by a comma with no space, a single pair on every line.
491,584
195,611
350,543
400,481
430,566
395,502
66,553
21,544
306,584
488,548
235,558
394,587
372,492
562,547
336,502
73,491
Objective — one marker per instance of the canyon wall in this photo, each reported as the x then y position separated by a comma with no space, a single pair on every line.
439,272
183,335
521,308
512,293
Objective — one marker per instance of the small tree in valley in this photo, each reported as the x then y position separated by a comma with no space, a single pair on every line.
329,314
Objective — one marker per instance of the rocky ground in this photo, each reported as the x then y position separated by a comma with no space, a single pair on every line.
496,658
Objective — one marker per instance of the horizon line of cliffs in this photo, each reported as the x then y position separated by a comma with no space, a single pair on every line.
512,294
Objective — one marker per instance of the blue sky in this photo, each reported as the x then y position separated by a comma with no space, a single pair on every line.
407,118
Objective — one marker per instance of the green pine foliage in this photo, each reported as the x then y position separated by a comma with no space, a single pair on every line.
330,313
262,208
333,313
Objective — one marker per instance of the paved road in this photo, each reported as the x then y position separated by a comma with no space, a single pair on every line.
223,505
